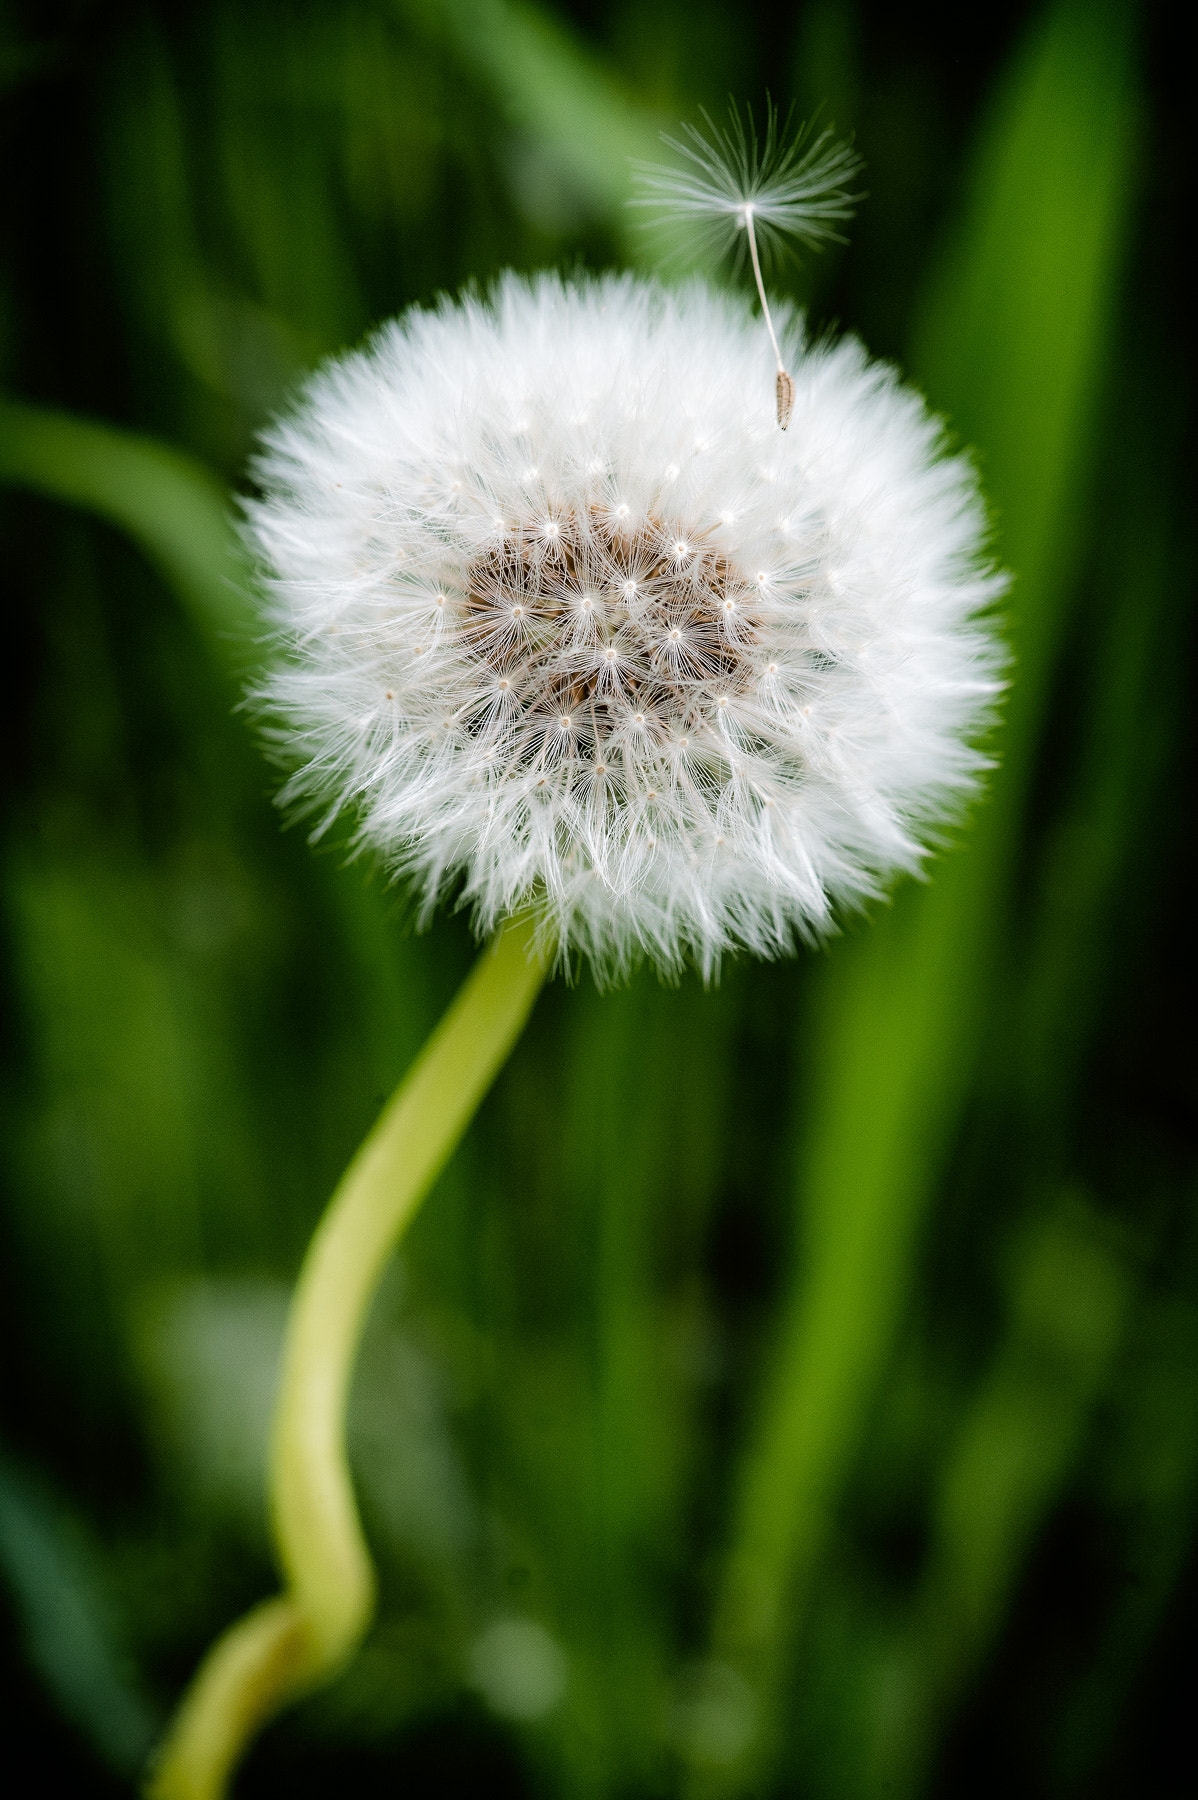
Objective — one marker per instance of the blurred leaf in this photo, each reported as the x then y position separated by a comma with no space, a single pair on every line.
1149,1479
167,502
69,1622
126,1081
209,1353
403,1452
1014,1447
558,95
1096,845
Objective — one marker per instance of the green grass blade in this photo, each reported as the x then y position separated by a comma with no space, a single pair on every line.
168,503
67,1622
1013,1449
553,91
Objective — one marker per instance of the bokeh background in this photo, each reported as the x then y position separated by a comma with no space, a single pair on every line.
790,1388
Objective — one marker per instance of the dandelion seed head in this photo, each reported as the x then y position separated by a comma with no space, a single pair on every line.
667,642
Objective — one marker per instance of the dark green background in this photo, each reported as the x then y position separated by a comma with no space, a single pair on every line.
867,1282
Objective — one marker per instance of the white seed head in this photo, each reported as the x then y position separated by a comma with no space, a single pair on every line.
662,724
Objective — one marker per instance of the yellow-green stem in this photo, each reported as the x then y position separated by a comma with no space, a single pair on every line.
295,1641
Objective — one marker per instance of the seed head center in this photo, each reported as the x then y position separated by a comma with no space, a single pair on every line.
606,629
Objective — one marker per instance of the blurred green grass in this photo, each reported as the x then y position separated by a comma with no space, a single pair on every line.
765,1353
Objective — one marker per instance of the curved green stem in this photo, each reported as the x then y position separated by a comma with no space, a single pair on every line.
294,1642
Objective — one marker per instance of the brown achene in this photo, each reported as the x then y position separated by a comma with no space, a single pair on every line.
595,634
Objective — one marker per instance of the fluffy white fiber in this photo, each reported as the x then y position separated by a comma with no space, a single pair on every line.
564,619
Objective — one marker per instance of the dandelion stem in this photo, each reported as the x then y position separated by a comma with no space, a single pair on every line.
765,305
784,387
294,1642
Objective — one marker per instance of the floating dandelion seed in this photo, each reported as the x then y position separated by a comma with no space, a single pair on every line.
802,612
758,192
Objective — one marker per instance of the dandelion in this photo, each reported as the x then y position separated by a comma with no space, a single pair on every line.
566,622
575,633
